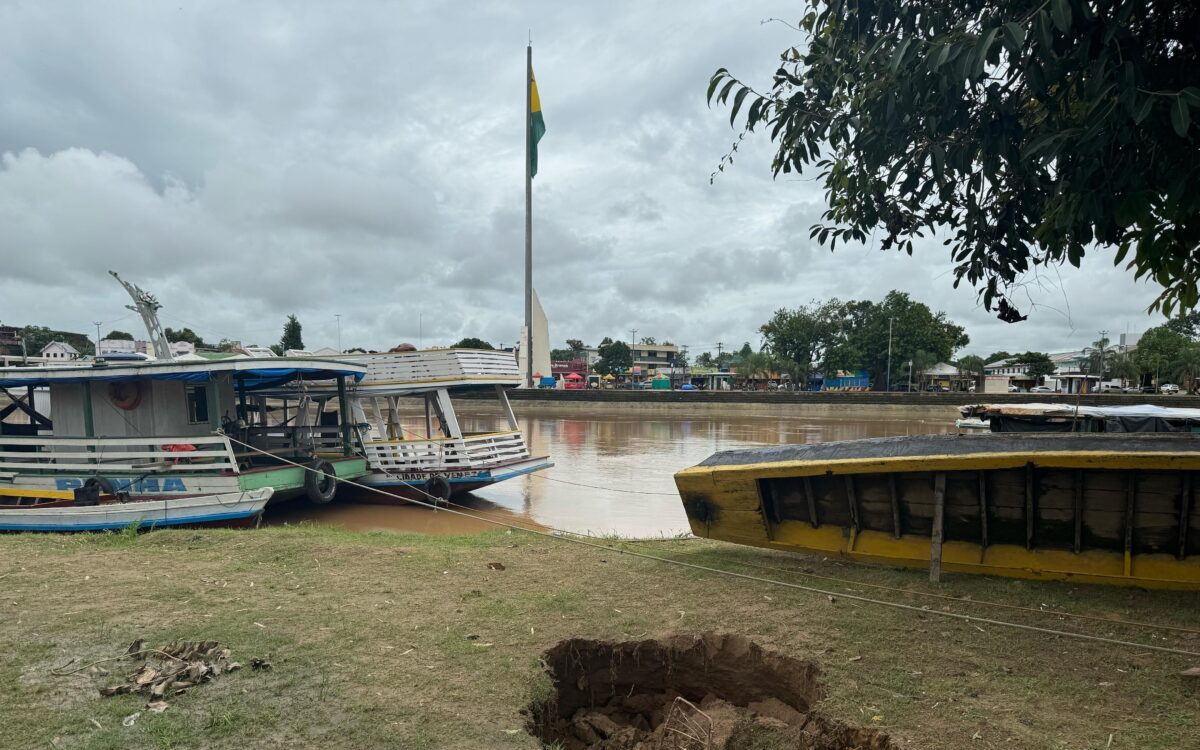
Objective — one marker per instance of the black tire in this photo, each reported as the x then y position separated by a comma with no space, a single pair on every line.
320,484
439,488
106,486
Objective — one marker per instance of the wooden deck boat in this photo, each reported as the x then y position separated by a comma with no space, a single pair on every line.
169,433
1079,418
407,427
1103,508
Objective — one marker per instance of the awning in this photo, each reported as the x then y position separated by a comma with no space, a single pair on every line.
255,374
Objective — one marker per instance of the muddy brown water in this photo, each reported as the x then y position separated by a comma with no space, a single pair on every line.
614,464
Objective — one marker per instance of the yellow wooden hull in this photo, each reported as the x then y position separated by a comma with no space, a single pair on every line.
1112,509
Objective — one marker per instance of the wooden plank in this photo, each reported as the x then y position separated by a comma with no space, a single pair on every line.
1131,480
1185,512
895,497
812,503
1078,510
1030,505
935,539
852,502
983,511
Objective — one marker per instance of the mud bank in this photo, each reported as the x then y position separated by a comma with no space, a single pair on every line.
701,692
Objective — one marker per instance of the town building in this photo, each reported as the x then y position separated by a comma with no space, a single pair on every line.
57,351
653,357
180,348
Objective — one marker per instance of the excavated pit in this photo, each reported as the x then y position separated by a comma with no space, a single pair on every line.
702,692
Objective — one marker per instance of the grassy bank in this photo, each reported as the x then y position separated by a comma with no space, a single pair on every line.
387,640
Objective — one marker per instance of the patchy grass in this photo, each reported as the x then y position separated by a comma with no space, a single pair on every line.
390,640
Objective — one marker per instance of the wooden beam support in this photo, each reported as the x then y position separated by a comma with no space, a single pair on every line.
895,496
1131,480
1185,513
852,501
983,511
939,517
1078,510
812,503
1030,505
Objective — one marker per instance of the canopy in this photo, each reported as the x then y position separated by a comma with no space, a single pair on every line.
609,377
255,374
574,376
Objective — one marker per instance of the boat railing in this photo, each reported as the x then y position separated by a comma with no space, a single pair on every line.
447,454
134,455
438,366
306,439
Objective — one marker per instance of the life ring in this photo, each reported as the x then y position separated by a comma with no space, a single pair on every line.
320,484
438,488
125,394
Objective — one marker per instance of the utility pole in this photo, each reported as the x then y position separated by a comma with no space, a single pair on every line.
527,344
97,324
339,326
719,346
889,364
632,337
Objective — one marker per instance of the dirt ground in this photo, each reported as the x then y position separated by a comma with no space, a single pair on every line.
390,640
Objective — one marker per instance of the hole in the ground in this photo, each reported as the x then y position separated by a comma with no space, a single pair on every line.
703,692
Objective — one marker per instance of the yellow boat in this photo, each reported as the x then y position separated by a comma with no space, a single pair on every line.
1094,507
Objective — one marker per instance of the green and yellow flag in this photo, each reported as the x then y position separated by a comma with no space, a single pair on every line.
537,126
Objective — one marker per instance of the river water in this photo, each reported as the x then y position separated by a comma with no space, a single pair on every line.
614,465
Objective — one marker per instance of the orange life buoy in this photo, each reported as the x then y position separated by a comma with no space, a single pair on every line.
125,395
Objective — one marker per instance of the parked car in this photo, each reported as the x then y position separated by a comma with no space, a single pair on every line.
1042,389
1114,388
1168,388
1015,389
1131,389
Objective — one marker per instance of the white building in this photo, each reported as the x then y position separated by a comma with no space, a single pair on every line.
540,346
254,350
327,351
180,348
60,350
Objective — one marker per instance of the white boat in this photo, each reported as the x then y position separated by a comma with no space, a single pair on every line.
407,427
179,434
200,510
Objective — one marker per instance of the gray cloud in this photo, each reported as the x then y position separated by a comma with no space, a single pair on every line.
247,161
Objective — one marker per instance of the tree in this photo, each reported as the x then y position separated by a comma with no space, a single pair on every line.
1186,324
915,328
648,340
1158,348
577,348
185,334
228,345
561,355
1185,368
705,359
801,336
757,365
972,365
115,335
292,338
1038,364
992,122
1099,357
474,343
615,358
996,357
37,337
1124,366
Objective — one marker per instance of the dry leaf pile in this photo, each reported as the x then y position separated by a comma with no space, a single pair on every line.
169,670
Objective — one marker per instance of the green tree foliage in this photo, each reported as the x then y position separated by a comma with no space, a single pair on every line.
993,122
757,365
971,364
1158,348
996,357
1039,364
37,337
115,335
292,335
474,343
561,355
803,335
705,359
615,358
228,345
185,334
1187,324
577,348
648,341
1185,367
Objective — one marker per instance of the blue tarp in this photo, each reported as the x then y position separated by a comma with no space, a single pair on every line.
255,379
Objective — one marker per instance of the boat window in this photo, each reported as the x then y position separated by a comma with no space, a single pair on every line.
197,404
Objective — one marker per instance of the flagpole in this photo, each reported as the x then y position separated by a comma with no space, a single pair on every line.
528,343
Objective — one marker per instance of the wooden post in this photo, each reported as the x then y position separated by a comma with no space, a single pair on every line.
1078,510
983,512
1185,512
1030,505
241,391
212,400
895,497
812,502
939,516
1130,503
852,501
344,416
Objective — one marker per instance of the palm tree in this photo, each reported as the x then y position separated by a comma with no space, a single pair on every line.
1186,367
1099,357
757,364
1122,365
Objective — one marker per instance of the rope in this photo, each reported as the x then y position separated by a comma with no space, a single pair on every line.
567,536
605,489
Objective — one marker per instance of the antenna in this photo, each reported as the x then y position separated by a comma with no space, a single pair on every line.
147,305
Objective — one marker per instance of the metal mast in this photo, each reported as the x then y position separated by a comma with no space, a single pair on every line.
527,344
147,305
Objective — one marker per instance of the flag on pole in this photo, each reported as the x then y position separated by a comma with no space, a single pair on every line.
537,126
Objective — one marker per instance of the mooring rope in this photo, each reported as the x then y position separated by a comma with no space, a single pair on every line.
568,536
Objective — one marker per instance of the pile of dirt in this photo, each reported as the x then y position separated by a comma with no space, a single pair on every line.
703,692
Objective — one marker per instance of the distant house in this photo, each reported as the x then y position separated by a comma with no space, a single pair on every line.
327,351
180,348
117,346
60,350
254,350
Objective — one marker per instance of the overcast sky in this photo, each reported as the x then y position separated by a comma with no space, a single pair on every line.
249,160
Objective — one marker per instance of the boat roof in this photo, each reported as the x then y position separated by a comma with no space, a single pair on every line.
920,446
255,373
1070,410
